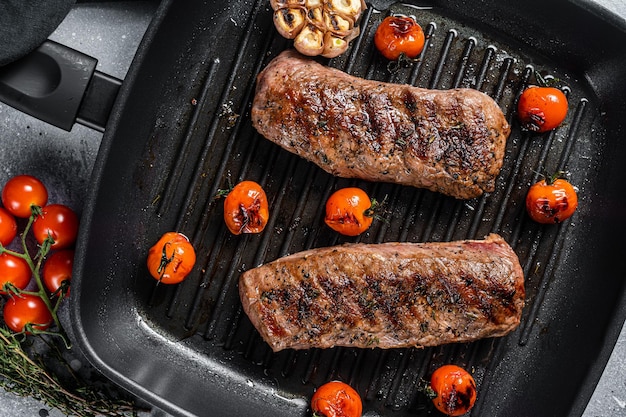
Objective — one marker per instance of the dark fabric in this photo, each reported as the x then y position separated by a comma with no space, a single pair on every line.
25,24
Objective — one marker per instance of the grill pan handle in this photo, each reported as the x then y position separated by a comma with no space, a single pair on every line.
60,86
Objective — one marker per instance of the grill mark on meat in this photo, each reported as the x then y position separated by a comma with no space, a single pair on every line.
449,141
386,295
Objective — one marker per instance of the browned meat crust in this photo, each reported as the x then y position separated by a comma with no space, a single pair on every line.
449,141
386,295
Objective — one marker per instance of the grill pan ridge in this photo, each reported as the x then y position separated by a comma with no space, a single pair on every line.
190,347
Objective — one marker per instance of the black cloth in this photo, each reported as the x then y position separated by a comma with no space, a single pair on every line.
25,24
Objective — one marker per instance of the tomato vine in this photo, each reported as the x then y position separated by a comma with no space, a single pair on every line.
35,263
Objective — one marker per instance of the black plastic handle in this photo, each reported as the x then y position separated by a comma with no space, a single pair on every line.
59,85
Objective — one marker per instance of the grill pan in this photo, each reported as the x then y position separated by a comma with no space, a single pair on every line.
180,131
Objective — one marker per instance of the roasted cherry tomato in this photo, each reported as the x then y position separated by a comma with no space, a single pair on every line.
399,35
246,209
24,310
336,399
57,270
540,109
172,258
59,222
455,390
8,227
349,211
551,200
13,270
22,192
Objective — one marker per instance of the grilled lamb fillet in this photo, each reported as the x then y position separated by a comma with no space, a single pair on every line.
386,295
449,141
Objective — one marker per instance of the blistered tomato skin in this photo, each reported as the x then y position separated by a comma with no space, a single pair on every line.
246,209
541,109
455,390
399,35
336,399
349,211
171,259
551,201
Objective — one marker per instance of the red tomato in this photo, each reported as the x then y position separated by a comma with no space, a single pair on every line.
399,35
13,270
8,227
22,192
551,200
26,310
540,109
336,399
455,390
59,222
246,209
349,211
171,259
57,269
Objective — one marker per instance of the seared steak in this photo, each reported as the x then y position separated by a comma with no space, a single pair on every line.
386,295
449,141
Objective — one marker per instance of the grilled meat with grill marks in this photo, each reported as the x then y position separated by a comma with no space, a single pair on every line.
449,141
386,295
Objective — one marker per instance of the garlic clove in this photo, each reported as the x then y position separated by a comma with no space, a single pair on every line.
310,41
286,4
311,4
289,22
333,46
339,25
347,8
316,17
356,31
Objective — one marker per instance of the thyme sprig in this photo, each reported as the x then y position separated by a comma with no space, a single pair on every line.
23,374
378,210
403,61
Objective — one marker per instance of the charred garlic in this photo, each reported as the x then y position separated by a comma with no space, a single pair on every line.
318,27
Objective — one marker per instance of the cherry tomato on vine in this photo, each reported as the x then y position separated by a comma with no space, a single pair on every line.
60,222
349,211
57,269
398,35
22,192
541,109
336,399
24,310
551,200
172,258
8,227
13,270
246,209
455,390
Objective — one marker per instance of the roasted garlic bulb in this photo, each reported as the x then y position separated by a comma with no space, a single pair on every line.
318,27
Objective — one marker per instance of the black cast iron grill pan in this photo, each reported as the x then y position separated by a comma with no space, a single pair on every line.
180,131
